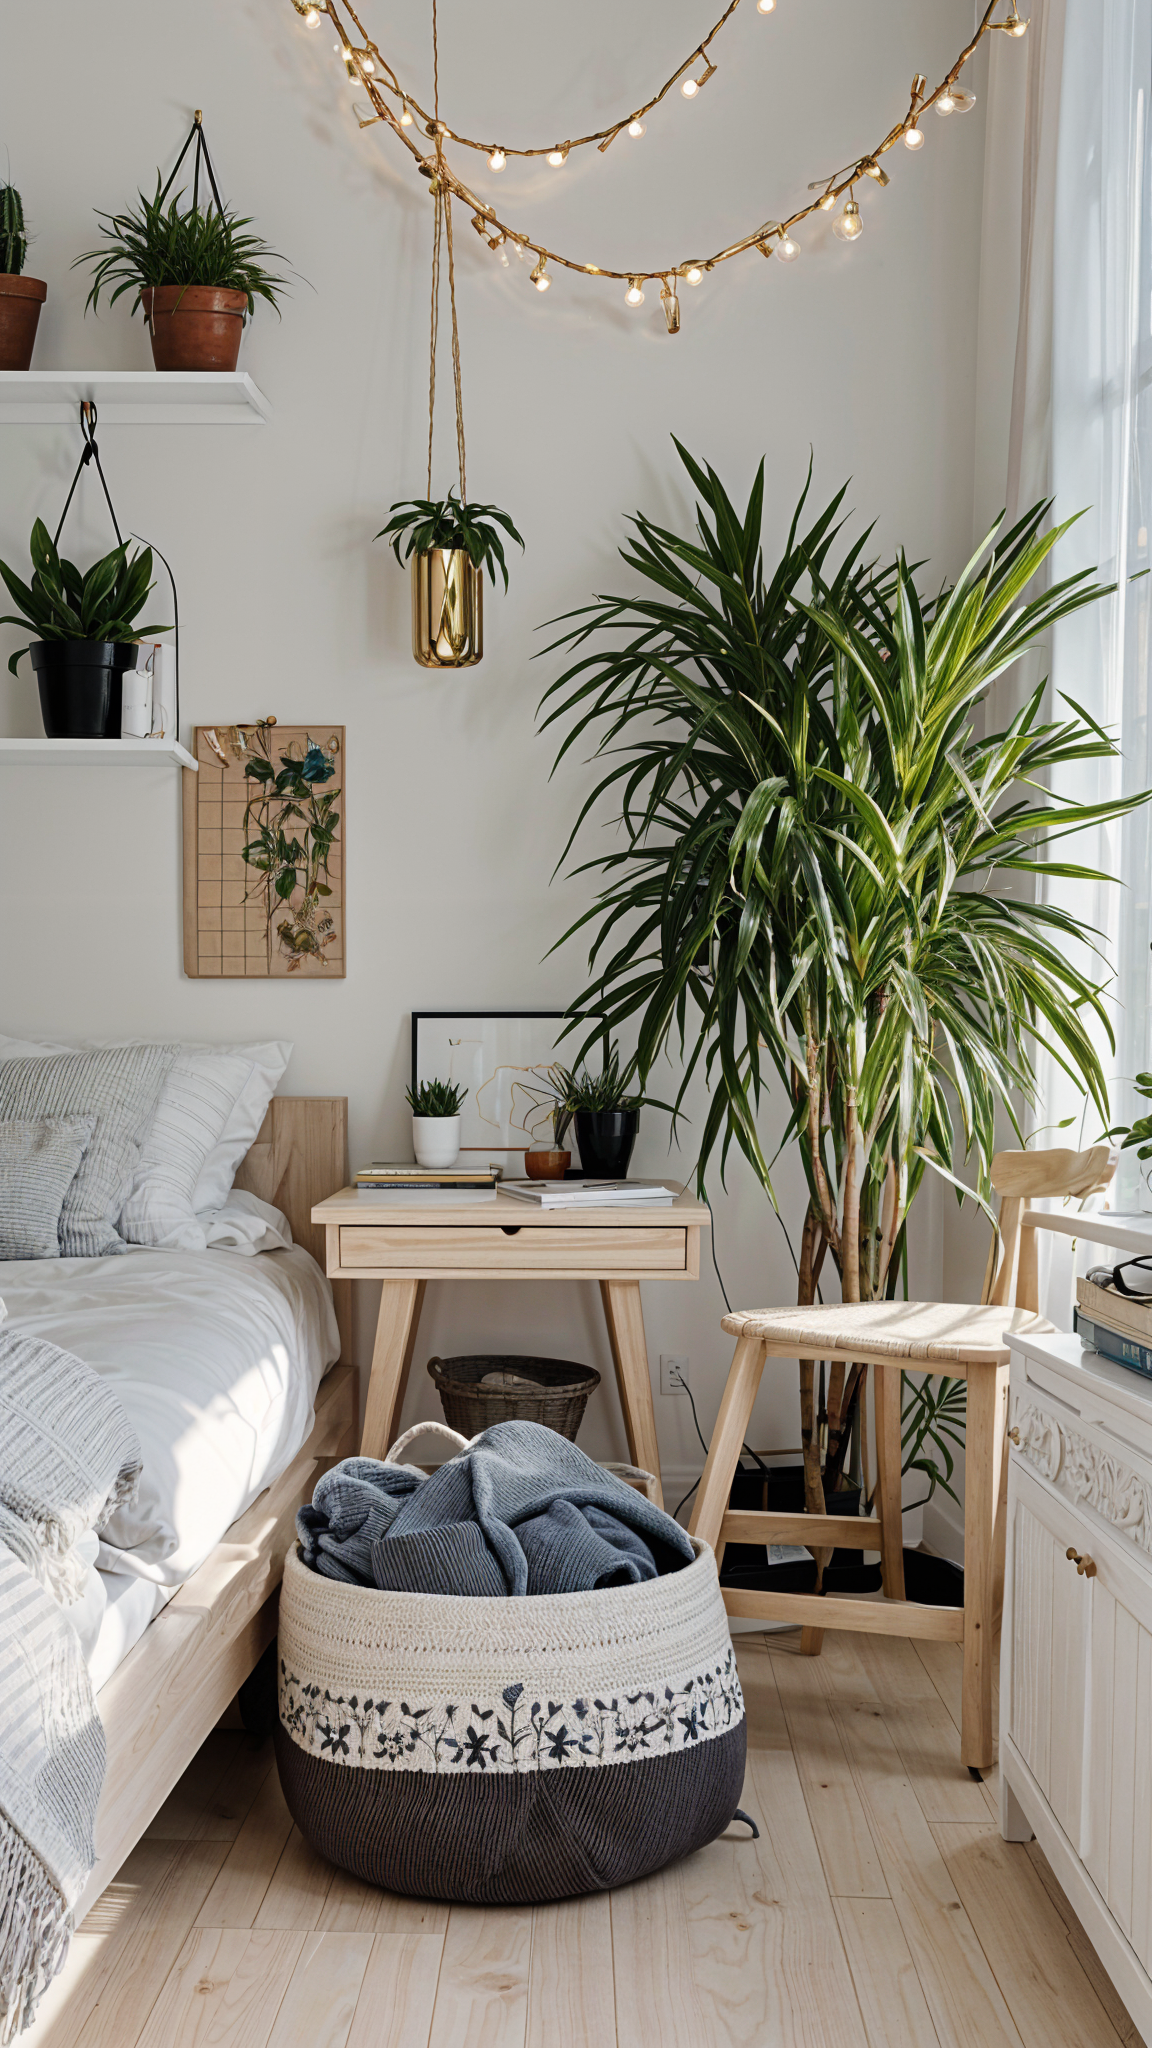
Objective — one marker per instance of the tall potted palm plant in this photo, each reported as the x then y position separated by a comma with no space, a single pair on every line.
817,876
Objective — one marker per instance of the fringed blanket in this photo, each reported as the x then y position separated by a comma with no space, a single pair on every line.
68,1457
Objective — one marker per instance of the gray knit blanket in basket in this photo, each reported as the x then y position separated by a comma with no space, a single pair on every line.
520,1511
68,1457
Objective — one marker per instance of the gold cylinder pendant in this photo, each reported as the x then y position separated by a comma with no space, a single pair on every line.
447,609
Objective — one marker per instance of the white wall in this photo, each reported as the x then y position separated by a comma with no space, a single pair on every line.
866,354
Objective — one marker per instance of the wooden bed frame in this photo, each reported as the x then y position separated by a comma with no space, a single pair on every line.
171,1689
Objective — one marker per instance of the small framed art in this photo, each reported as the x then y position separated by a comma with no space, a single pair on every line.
503,1058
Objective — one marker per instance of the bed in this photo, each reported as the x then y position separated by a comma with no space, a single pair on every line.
246,1344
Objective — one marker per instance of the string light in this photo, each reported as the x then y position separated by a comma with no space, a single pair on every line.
496,161
556,157
775,237
963,101
691,86
849,225
765,6
308,12
406,116
634,296
636,129
671,305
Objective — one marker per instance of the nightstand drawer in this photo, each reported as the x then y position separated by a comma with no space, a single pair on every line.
455,1248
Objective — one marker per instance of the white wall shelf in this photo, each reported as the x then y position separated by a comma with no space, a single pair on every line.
45,753
128,398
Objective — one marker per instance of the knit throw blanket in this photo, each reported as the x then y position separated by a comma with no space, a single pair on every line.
68,1457
521,1511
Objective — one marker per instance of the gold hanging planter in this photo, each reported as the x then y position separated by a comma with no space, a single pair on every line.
447,609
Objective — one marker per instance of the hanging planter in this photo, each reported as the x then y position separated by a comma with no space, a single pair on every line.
196,274
450,542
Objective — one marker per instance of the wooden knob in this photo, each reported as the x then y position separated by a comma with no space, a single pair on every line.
1085,1567
1014,1435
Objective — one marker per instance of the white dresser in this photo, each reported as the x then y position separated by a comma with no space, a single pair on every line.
1076,1653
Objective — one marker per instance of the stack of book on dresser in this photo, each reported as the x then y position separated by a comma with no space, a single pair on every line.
432,1185
1115,1321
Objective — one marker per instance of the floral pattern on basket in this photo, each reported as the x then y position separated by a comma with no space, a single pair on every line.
511,1734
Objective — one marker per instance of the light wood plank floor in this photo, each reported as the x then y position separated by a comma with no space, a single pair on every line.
879,1909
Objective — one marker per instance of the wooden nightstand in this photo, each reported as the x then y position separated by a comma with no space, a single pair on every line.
506,1239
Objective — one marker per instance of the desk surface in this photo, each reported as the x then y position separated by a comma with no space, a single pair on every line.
505,1212
1124,1233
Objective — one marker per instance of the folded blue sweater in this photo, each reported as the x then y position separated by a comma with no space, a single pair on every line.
521,1511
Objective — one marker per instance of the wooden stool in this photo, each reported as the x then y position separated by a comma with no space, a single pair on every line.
894,1336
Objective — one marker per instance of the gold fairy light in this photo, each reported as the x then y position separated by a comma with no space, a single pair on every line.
774,238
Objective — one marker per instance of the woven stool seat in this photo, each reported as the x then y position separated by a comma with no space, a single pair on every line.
948,1335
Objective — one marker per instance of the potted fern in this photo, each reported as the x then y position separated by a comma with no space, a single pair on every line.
450,543
21,297
435,1107
816,881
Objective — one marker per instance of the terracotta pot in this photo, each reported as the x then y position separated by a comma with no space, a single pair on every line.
20,301
194,326
547,1165
447,609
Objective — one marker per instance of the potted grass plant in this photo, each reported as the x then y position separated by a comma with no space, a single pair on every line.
84,633
196,270
435,1107
21,297
825,873
450,544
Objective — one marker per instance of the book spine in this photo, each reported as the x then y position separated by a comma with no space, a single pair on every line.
1113,1344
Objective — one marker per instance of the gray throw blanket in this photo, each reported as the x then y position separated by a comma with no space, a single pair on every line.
521,1511
68,1456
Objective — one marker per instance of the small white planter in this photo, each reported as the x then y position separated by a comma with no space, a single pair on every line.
436,1140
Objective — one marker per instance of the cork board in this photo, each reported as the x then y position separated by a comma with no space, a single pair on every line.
264,834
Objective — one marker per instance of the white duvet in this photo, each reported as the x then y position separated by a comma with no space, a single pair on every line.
216,1359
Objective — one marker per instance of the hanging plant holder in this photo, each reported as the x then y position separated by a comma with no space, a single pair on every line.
447,608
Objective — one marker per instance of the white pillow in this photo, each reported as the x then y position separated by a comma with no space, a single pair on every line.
247,1225
164,1193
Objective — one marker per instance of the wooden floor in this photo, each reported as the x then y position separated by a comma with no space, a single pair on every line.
879,1909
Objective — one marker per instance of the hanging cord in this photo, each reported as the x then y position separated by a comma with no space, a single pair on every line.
442,222
90,453
195,134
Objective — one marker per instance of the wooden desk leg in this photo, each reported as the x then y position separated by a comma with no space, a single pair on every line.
396,1327
727,1438
625,1320
887,1382
983,1452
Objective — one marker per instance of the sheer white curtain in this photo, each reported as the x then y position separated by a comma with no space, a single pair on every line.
1082,433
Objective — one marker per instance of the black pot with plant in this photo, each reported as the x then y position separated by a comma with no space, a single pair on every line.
450,543
195,270
20,297
605,1113
85,633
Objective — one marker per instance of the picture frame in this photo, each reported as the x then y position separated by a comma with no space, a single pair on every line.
502,1057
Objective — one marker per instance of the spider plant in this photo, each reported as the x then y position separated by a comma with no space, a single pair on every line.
151,244
62,604
424,523
813,879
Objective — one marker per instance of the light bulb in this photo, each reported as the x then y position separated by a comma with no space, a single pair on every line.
497,160
849,224
963,101
913,138
406,116
786,249
311,17
692,273
636,128
540,277
558,156
1016,27
828,202
946,103
765,6
365,62
504,258
690,88
634,296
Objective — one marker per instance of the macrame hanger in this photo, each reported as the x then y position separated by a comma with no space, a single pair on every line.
196,135
442,224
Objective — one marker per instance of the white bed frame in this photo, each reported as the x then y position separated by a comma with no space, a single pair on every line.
171,1689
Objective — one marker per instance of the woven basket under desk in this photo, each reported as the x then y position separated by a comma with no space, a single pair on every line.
563,1393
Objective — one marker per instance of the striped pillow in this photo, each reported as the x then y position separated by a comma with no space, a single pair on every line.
119,1088
195,1104
38,1160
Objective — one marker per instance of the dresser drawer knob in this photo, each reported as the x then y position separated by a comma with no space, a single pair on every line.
1014,1436
1085,1567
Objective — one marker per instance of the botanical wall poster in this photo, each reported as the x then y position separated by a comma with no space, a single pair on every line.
264,852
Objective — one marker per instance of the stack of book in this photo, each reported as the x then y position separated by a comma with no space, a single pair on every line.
402,1184
588,1194
1117,1325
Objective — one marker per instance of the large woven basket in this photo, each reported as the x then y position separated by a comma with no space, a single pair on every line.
564,1390
508,1751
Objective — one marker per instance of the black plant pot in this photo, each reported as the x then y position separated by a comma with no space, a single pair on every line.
606,1138
81,687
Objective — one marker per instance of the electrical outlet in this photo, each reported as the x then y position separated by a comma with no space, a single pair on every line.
673,1374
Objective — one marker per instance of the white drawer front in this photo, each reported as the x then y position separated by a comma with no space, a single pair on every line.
1049,1648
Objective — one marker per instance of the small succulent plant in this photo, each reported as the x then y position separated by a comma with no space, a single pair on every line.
436,1098
13,234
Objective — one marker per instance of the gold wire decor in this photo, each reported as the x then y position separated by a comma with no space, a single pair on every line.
364,62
